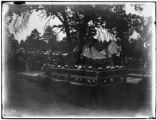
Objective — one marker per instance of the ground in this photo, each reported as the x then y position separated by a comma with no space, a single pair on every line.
26,97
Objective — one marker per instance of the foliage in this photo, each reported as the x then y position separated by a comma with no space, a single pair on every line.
33,41
50,36
12,45
75,19
19,15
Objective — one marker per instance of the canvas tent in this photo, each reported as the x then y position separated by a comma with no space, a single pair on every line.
92,53
113,48
103,35
104,52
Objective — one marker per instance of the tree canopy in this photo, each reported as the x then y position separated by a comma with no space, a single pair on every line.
75,21
51,37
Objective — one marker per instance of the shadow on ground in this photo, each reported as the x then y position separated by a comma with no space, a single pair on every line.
29,98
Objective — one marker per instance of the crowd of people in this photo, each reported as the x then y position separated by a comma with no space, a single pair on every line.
33,60
28,60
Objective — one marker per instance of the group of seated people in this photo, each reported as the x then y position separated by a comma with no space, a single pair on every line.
73,60
35,60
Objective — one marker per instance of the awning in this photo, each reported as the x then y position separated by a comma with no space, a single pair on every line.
92,53
103,35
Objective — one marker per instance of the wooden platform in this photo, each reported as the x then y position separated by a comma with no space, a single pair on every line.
88,76
132,77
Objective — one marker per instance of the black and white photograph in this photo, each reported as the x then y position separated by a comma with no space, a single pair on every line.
77,59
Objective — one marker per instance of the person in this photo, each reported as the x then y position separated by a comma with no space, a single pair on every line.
114,52
27,66
20,60
60,59
147,56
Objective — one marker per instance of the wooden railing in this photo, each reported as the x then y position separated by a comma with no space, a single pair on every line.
88,76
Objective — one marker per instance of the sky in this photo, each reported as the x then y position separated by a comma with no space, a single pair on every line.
35,22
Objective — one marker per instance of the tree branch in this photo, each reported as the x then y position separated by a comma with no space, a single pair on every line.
47,23
59,17
59,26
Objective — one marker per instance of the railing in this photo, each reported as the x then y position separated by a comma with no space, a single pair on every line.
92,77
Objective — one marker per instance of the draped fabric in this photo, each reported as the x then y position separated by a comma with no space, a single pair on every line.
103,35
113,48
92,53
104,52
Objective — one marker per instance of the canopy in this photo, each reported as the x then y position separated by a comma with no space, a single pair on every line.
104,52
113,48
92,53
103,34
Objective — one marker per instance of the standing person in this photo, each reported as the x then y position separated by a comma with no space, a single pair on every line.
27,62
114,51
147,56
27,66
118,58
123,57
20,57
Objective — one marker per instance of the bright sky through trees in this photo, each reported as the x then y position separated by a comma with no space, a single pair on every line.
35,22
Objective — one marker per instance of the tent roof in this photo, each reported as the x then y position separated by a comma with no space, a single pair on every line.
103,34
113,48
92,53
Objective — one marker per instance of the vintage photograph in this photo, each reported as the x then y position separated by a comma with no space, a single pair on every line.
78,59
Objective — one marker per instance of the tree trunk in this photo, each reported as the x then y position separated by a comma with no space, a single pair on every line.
124,44
82,31
66,26
68,39
67,31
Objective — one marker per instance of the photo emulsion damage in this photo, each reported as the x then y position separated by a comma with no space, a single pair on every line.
78,60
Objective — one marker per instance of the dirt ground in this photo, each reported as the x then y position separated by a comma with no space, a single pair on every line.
28,98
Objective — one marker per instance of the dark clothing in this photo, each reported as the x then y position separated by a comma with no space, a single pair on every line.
116,60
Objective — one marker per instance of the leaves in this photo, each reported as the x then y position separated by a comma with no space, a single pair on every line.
75,19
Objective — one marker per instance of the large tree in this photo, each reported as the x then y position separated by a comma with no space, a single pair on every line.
75,19
62,13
